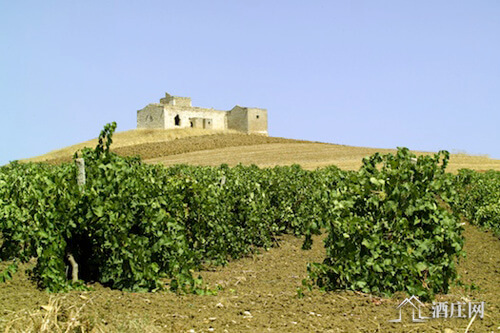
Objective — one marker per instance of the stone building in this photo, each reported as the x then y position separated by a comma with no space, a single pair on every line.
177,112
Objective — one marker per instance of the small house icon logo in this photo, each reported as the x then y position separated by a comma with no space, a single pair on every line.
415,305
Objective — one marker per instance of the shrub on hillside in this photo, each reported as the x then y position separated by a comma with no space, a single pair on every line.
388,230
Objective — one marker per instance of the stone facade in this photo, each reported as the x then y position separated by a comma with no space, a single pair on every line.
177,112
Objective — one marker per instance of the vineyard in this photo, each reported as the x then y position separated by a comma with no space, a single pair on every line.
394,226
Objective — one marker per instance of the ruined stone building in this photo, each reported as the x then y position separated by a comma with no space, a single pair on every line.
177,112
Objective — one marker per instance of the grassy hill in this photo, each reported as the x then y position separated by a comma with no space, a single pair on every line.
127,139
210,147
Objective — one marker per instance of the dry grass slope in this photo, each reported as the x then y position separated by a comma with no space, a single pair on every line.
126,139
209,147
309,155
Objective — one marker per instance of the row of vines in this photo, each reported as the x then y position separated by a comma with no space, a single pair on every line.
135,226
478,198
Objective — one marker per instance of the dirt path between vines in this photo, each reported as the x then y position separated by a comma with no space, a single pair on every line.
260,295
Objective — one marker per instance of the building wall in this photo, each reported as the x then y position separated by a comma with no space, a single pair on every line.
237,119
208,123
216,119
163,114
175,100
181,101
248,120
152,116
257,121
167,99
197,122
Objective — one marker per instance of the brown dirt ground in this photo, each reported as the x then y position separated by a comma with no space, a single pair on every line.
260,295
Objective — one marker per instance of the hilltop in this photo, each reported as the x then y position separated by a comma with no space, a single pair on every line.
214,147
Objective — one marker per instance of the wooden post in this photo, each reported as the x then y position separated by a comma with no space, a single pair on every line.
74,267
80,163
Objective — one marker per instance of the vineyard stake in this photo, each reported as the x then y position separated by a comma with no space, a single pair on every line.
74,267
80,164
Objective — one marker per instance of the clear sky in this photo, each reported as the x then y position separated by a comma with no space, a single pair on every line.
420,74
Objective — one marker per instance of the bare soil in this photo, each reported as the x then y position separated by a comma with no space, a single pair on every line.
259,294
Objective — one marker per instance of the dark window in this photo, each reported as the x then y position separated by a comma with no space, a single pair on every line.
257,116
192,125
177,120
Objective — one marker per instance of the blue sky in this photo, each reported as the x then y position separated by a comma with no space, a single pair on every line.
421,74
